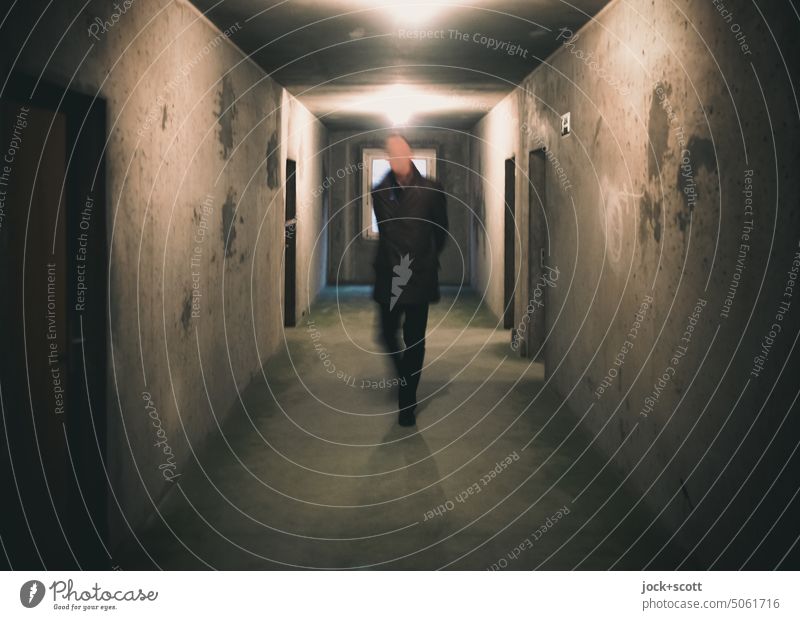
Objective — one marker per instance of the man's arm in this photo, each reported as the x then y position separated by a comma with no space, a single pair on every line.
440,220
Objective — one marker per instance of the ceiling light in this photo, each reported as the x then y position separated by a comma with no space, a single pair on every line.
400,102
411,13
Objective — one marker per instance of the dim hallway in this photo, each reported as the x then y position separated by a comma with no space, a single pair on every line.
312,470
200,201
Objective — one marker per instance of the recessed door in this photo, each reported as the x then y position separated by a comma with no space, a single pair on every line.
509,245
539,280
53,329
290,247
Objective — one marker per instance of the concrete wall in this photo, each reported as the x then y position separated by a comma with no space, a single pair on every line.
649,203
197,141
350,254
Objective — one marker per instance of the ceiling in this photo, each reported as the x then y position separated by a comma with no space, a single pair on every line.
372,63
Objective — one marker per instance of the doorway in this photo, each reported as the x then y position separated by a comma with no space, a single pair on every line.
509,244
532,345
53,373
290,247
326,214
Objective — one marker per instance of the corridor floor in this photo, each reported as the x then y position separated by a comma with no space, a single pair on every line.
314,472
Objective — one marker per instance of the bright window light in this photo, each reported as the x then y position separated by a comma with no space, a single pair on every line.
377,163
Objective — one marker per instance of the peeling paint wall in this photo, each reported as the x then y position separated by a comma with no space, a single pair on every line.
350,254
198,136
656,168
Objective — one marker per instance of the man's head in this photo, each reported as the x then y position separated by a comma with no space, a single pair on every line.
399,151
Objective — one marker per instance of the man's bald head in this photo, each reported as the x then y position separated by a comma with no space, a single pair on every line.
399,151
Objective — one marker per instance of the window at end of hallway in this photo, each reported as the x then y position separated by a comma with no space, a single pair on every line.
375,163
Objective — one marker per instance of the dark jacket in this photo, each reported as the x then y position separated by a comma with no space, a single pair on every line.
412,224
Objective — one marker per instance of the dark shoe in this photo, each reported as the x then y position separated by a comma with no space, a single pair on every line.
407,418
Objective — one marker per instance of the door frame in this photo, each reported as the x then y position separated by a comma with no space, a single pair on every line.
290,246
86,519
533,343
509,242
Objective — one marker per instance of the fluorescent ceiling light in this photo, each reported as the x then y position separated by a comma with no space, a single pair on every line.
413,13
400,102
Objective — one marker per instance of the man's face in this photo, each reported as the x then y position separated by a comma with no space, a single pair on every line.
399,156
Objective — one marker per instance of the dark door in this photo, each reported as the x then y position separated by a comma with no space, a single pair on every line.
509,236
537,256
326,214
290,240
52,378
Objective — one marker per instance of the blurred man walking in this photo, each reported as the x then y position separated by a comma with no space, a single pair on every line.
412,225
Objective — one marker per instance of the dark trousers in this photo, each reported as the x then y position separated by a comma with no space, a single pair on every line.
408,359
